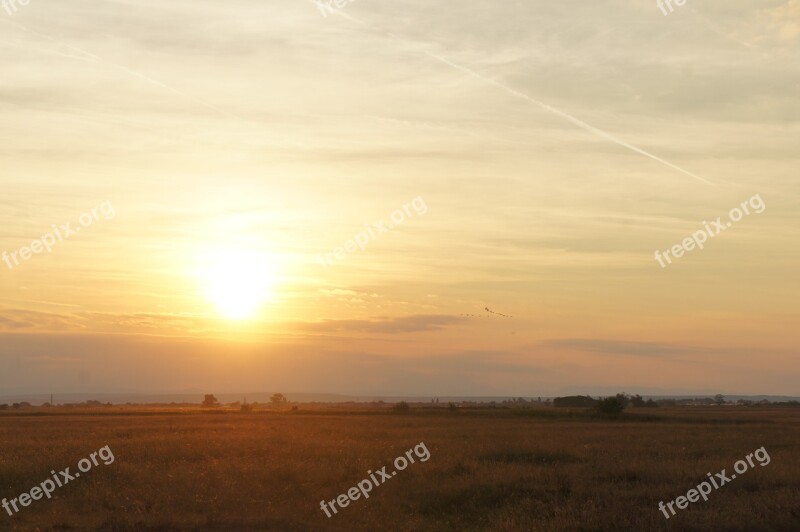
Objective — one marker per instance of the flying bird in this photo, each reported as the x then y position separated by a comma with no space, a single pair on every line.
496,313
485,315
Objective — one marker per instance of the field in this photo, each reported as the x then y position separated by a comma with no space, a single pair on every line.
489,469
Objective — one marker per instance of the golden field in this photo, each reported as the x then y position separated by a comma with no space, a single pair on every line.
541,469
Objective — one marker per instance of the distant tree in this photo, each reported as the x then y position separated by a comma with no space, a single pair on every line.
651,404
278,399
624,398
637,401
719,399
611,406
210,400
402,406
575,401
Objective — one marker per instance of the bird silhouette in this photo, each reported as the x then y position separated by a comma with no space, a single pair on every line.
496,313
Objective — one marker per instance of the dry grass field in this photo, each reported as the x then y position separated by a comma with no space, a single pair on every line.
490,469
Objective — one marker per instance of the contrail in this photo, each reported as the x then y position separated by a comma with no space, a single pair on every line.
576,121
549,108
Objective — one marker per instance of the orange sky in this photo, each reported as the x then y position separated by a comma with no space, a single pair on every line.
537,158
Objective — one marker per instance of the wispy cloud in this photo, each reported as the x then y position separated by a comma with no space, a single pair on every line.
401,325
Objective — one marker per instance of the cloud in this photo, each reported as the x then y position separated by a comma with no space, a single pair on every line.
97,363
406,324
646,349
141,322
17,319
783,21
617,347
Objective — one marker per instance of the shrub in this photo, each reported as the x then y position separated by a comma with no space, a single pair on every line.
637,401
577,401
610,406
210,400
278,399
402,406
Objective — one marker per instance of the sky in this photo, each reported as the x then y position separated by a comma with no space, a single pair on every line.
201,178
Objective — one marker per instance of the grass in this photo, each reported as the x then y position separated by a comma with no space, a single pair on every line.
490,469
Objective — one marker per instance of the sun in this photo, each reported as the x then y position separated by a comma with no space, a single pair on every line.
238,282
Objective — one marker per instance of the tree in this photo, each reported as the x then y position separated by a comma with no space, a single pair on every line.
611,406
637,401
278,399
210,400
402,406
624,398
577,401
719,399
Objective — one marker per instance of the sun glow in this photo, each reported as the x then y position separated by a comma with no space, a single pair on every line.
238,282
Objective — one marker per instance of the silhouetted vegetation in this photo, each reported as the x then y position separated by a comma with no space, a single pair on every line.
402,406
210,401
575,401
611,406
278,399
